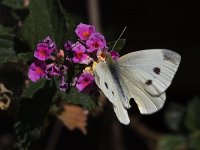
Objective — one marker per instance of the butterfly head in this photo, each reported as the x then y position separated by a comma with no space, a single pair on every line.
105,56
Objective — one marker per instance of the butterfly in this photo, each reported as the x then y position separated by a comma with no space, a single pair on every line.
142,75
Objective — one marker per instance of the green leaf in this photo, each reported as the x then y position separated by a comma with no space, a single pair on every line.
174,116
172,142
195,140
22,57
4,59
70,23
33,112
33,88
45,19
192,120
6,41
87,101
6,47
15,4
25,57
119,45
5,31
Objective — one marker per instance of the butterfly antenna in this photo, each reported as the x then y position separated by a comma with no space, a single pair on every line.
119,38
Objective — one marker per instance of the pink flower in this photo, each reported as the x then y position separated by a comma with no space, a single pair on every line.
51,71
83,81
60,54
43,51
95,42
83,31
36,71
80,55
68,45
50,42
114,55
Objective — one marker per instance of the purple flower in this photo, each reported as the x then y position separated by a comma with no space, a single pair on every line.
43,51
83,81
63,86
36,71
114,55
95,42
83,31
68,45
63,69
60,54
50,42
80,55
52,70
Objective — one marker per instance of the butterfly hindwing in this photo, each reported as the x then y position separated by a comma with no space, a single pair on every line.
146,103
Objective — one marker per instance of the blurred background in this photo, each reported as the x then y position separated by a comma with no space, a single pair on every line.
168,24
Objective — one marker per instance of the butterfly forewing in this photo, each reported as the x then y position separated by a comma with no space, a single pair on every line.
145,75
107,83
153,69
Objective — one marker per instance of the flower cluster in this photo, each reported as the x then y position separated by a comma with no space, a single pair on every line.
84,53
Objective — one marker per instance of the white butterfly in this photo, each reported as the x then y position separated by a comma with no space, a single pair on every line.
143,75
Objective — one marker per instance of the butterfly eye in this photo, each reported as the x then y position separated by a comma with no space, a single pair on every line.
156,70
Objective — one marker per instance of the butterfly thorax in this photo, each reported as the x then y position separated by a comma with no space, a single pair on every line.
109,60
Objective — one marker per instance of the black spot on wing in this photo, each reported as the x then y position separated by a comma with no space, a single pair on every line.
106,85
113,93
156,70
148,82
171,56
